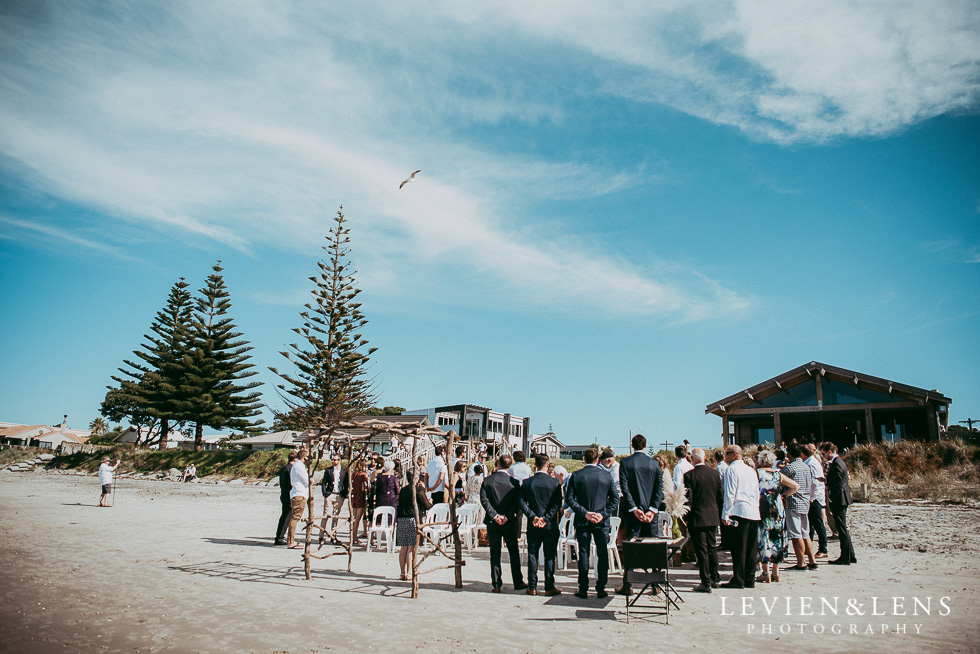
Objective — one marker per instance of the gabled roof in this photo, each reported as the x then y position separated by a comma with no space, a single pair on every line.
22,431
287,437
546,437
806,372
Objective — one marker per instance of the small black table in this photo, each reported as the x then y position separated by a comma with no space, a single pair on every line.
652,556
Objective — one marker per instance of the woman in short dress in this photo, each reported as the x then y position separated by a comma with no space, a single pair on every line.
406,530
458,478
773,543
359,488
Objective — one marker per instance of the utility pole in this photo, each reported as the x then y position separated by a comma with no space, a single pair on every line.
969,423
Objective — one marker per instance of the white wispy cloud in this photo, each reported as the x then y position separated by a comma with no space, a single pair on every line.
248,123
61,235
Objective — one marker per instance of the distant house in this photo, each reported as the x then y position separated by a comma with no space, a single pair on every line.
42,436
276,440
479,424
26,435
821,402
576,452
546,444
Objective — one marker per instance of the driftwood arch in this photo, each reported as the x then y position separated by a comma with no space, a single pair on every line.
337,437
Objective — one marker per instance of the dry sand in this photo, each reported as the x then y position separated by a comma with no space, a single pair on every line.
190,568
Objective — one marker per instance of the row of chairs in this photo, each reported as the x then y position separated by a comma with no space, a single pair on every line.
382,527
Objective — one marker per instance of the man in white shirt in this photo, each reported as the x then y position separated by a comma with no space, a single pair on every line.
436,475
481,460
520,470
299,495
683,465
741,511
105,479
720,464
818,498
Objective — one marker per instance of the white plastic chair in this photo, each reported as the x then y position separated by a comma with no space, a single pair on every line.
614,563
438,513
383,524
566,541
466,515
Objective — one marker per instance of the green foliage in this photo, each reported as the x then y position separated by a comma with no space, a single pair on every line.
147,390
231,463
387,411
331,360
210,391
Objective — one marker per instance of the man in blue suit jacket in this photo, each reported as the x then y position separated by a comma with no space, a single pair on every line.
541,500
642,483
500,496
593,501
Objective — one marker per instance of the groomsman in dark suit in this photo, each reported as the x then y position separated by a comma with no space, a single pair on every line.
838,499
642,485
500,496
541,500
704,493
593,500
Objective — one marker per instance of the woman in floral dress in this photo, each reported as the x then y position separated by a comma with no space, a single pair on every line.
773,543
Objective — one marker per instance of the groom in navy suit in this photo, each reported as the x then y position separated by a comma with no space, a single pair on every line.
541,500
593,500
642,483
839,498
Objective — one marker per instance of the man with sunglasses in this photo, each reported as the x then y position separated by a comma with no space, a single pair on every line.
335,488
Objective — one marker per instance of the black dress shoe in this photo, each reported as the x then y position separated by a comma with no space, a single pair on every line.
582,594
715,584
601,594
854,560
731,584
752,585
839,562
279,542
520,586
702,589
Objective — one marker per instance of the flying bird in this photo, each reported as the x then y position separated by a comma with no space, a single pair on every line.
411,178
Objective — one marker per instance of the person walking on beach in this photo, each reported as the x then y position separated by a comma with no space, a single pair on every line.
285,485
105,479
299,478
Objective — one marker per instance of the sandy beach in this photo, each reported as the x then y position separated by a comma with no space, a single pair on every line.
190,568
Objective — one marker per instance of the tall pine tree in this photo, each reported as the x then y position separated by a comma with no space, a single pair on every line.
149,386
211,390
330,382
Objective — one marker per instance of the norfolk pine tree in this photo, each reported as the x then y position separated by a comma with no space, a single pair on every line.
210,390
151,387
329,384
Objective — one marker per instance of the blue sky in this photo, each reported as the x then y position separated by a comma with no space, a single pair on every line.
623,213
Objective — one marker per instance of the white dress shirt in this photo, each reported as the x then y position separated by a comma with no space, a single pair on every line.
299,480
722,467
682,467
817,487
520,471
741,492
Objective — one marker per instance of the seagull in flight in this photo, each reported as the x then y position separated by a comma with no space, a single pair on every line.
411,178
